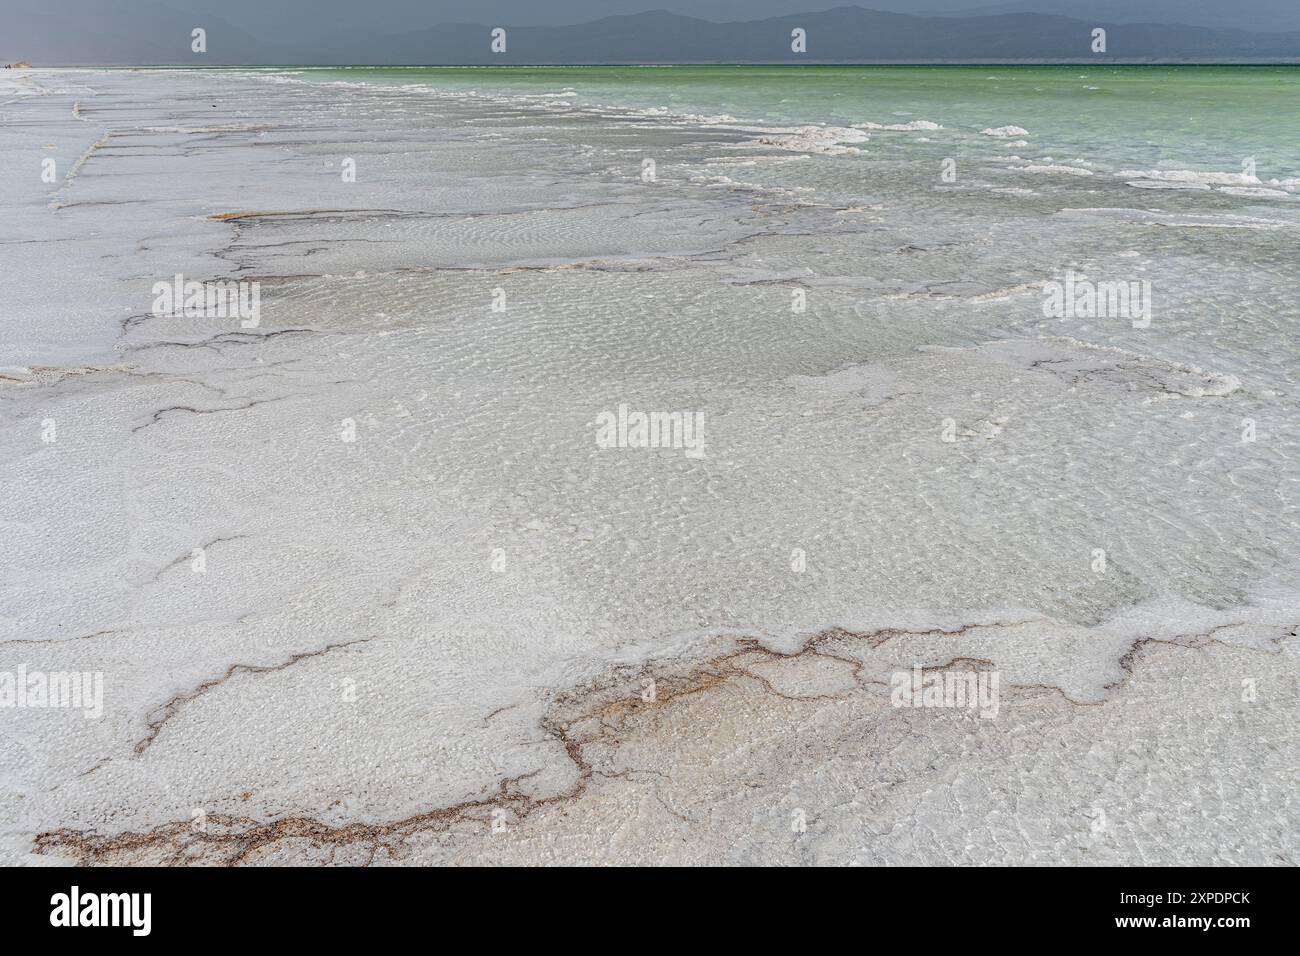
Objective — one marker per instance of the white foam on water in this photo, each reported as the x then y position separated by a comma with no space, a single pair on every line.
826,140
1052,168
914,126
714,119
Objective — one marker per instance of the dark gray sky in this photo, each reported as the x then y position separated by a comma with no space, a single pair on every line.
398,15
402,14
364,31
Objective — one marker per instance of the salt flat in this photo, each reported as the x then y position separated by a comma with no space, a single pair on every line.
364,587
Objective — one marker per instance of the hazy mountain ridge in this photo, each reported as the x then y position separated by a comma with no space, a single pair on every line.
1259,16
107,32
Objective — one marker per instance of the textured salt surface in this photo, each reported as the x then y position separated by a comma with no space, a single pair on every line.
437,642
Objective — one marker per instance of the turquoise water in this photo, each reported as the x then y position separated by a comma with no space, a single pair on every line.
1198,117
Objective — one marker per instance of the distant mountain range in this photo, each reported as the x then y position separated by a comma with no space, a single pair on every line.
1260,16
144,32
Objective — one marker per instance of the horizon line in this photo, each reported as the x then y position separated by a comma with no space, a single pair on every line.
1092,61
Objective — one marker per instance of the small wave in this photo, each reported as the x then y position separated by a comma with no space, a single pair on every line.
719,119
1159,184
915,126
1005,132
1190,176
1052,168
827,140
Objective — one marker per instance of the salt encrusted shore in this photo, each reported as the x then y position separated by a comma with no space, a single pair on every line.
432,621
